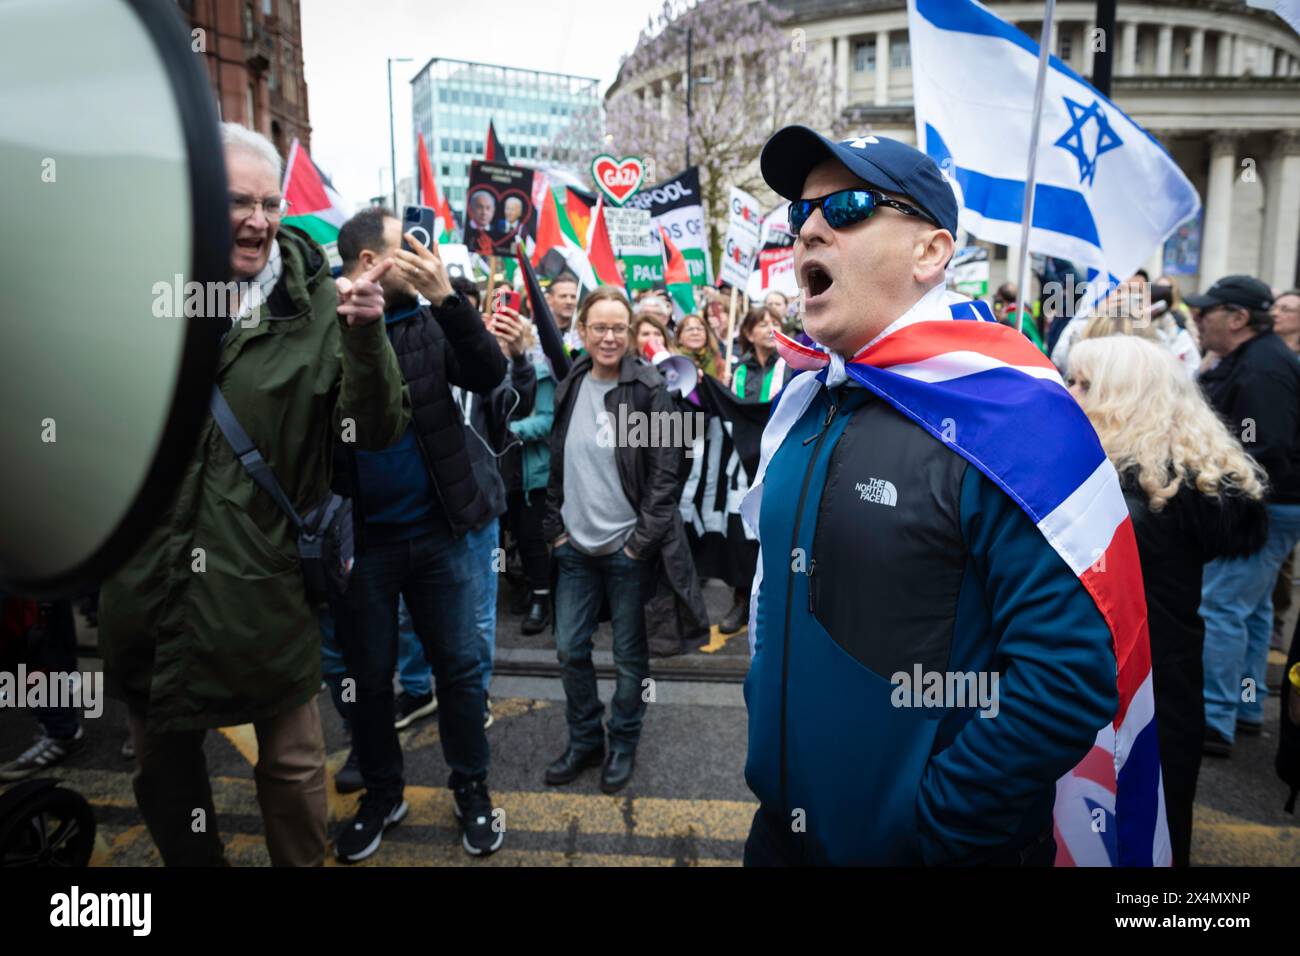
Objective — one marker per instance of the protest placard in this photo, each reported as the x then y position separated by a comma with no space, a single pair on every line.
970,271
774,264
741,242
675,205
499,207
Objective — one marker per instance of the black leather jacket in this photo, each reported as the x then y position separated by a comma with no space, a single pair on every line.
649,475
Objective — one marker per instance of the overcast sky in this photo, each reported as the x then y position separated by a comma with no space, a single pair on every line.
346,44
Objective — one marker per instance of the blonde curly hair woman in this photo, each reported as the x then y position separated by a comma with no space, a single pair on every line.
1194,496
1158,426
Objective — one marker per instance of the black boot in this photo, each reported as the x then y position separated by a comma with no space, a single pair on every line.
617,770
737,617
539,614
572,763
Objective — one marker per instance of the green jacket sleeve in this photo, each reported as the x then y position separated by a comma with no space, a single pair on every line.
372,398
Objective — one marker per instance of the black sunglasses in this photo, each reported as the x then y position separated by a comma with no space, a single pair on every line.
847,207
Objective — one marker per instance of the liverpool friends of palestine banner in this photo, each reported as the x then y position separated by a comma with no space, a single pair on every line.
674,205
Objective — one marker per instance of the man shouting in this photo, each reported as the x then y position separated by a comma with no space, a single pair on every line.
208,624
926,663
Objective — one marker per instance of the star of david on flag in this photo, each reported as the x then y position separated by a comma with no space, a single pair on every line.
1079,137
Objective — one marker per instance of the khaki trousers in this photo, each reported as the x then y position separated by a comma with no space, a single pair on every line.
171,784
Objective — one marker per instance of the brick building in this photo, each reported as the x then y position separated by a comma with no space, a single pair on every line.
253,53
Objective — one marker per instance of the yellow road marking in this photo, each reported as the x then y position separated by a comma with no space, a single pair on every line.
341,805
527,811
1224,839
243,849
244,739
706,819
718,640
1219,838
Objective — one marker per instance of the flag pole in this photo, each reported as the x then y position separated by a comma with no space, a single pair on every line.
1027,214
731,330
492,280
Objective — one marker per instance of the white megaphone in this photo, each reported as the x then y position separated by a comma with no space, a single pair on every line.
678,371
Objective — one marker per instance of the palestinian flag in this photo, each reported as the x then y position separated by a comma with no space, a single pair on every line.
578,205
315,207
677,277
429,195
558,247
600,253
493,151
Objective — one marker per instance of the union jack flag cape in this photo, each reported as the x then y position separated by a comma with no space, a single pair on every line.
947,359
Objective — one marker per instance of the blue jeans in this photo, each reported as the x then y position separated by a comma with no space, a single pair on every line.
582,582
434,573
413,670
1237,605
482,544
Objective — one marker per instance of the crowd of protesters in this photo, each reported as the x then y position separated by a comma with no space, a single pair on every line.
1196,400
464,453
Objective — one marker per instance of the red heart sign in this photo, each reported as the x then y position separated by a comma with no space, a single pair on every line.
618,178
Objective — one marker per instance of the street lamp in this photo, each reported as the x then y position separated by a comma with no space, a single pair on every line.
690,88
392,140
1103,59
690,85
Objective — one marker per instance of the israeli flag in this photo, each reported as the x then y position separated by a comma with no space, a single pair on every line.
1106,192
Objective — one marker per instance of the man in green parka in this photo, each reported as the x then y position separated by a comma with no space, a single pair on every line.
207,624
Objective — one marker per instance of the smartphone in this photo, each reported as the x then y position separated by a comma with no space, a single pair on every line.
506,298
419,220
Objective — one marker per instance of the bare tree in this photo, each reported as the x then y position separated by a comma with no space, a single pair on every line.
752,75
576,143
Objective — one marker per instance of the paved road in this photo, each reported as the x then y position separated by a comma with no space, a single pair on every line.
687,805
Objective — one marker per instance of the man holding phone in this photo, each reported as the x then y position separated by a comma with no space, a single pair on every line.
414,506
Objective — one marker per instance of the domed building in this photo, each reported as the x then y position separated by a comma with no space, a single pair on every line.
1216,81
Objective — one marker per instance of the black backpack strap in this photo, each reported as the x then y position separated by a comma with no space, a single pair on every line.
249,456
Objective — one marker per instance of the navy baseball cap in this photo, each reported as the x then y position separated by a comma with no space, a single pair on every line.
885,163
1244,291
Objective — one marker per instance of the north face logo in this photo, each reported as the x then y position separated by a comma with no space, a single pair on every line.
879,491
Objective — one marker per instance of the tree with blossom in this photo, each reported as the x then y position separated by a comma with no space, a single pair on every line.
753,75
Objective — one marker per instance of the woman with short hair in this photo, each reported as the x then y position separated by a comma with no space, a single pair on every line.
1194,495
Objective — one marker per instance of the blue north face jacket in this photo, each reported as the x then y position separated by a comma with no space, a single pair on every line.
886,553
